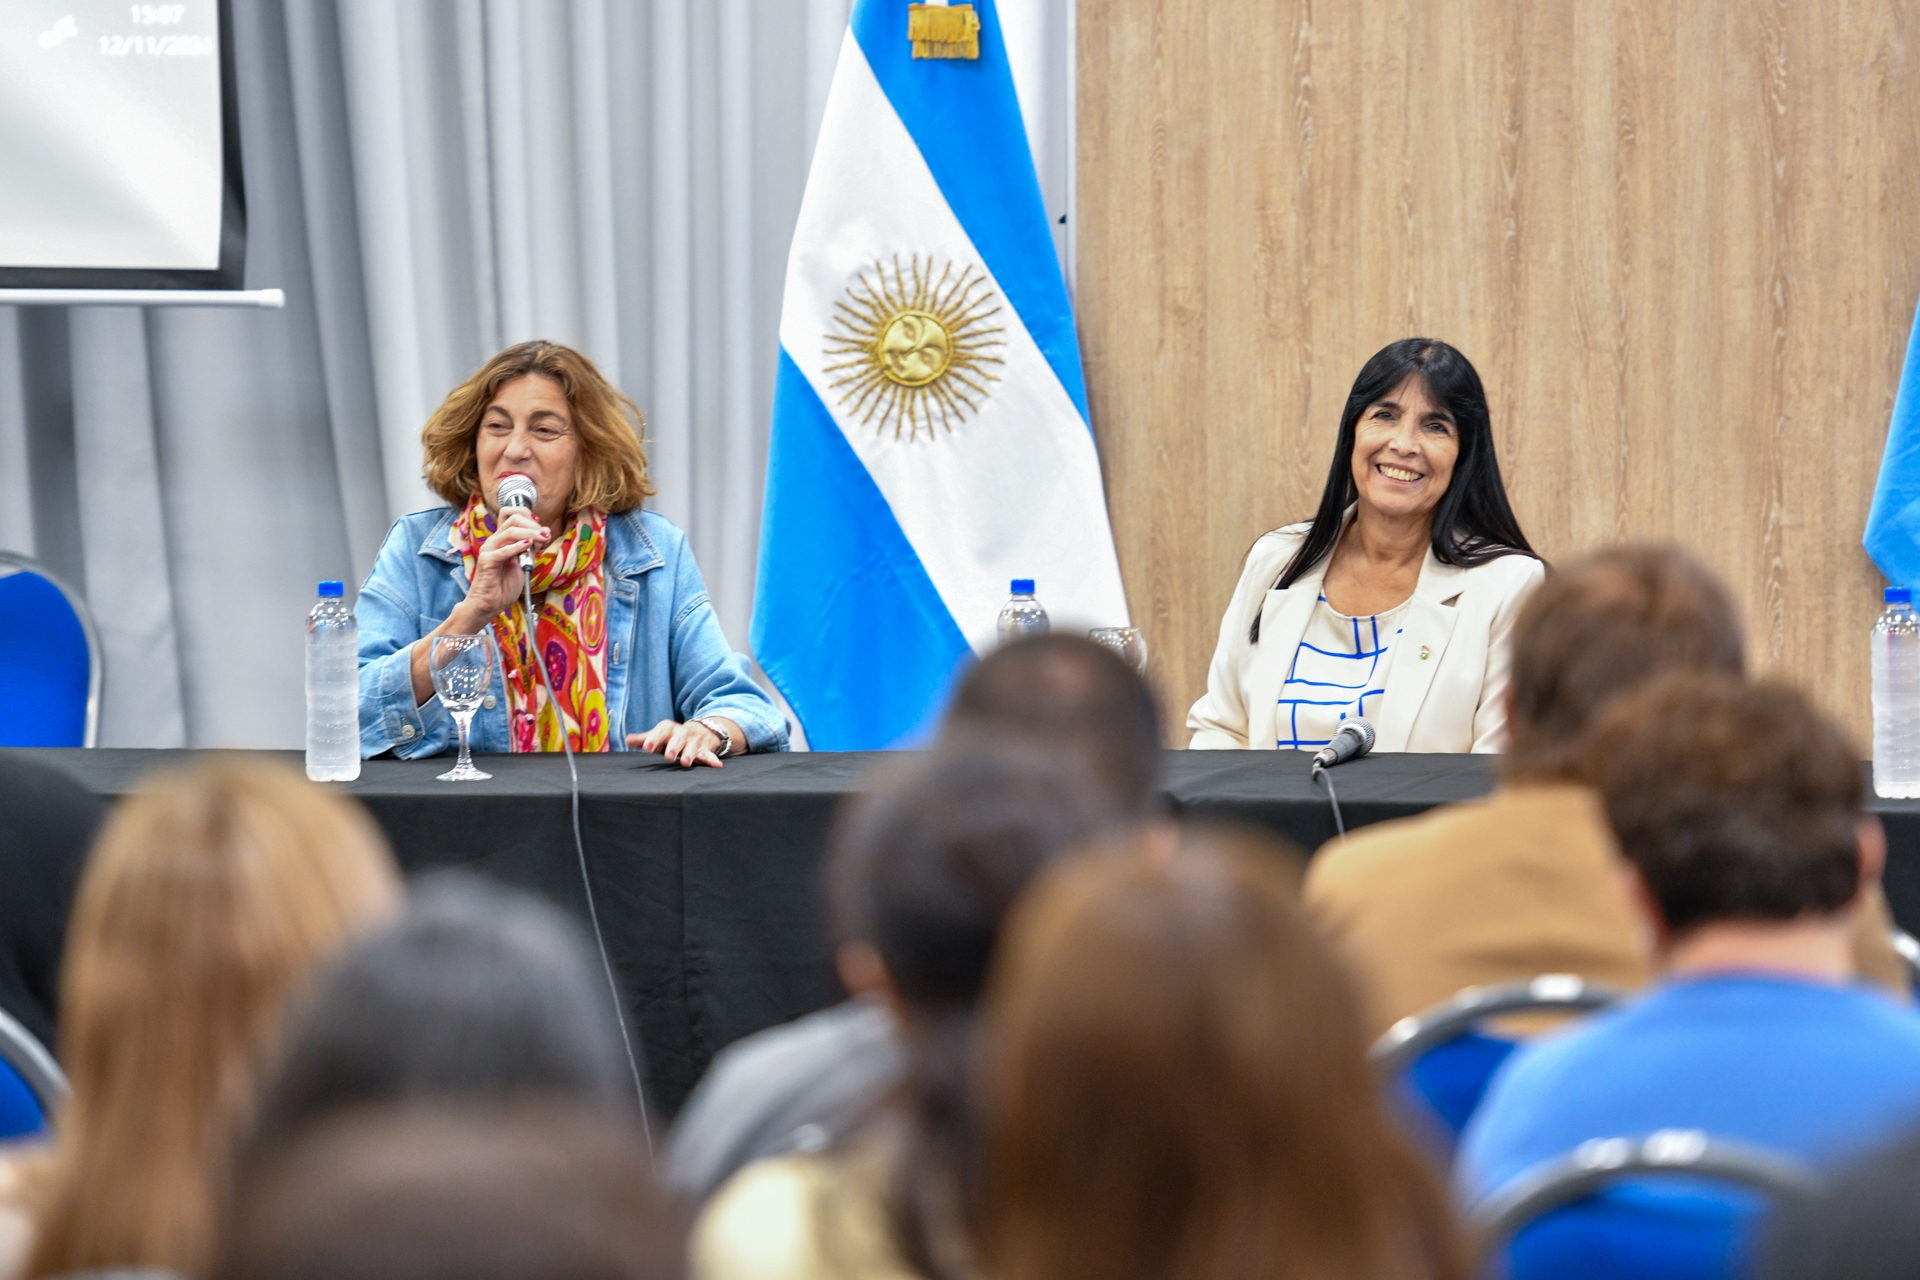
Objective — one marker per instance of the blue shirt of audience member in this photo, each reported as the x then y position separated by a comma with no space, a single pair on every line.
1816,1071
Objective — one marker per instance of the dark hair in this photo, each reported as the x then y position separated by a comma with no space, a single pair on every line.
1861,1226
926,864
925,868
1474,522
479,991
1174,1083
1600,626
1068,693
525,1191
1734,801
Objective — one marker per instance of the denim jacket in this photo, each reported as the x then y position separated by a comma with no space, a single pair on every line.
666,656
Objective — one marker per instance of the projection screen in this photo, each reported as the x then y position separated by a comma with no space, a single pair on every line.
119,146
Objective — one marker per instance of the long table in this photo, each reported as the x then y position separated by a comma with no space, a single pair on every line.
708,882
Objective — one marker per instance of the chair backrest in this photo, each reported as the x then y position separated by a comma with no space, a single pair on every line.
27,1060
1447,1063
50,665
1406,1040
1600,1162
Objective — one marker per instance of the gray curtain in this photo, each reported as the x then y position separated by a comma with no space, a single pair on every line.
429,182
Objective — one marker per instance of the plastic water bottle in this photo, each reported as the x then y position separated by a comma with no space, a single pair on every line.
1023,615
333,688
1896,698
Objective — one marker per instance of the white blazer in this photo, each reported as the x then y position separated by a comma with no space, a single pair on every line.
1447,684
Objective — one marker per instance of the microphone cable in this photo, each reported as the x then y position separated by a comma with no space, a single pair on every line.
1320,776
586,881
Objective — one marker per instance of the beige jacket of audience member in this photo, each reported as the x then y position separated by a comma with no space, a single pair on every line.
1520,883
1446,678
817,1217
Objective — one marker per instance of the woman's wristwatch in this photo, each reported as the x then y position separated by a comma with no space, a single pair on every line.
719,731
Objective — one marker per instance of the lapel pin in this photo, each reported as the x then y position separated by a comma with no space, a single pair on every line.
1425,652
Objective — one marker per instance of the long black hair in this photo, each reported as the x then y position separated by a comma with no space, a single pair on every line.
1474,522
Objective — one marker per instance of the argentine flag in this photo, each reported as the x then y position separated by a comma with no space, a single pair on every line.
1893,523
930,437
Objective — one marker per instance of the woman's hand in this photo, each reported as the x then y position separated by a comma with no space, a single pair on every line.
688,744
496,585
497,576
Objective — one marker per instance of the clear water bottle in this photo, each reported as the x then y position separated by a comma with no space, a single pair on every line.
1896,698
1023,615
333,688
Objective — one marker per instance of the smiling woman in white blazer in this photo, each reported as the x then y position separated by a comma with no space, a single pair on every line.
1397,600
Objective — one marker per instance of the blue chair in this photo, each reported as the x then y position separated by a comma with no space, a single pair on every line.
1439,1062
50,668
31,1083
1693,1216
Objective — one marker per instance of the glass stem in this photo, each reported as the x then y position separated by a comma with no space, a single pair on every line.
464,719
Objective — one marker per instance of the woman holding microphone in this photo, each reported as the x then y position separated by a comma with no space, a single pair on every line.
634,654
1396,600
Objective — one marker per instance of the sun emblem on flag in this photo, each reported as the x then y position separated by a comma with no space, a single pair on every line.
913,344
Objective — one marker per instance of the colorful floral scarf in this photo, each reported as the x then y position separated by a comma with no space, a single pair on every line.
570,601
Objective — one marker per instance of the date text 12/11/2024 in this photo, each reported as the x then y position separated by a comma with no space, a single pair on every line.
171,46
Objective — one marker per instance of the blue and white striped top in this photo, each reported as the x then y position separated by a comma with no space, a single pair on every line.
1339,670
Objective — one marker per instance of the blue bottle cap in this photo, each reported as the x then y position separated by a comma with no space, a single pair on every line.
1023,586
332,590
1899,595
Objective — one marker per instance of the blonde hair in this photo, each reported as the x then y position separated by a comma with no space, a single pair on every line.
211,897
611,471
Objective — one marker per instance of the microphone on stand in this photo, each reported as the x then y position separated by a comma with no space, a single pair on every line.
516,492
1354,739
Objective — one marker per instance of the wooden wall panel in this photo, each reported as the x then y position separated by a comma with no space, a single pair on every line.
1681,242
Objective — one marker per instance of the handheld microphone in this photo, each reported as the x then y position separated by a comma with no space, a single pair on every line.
1354,740
516,492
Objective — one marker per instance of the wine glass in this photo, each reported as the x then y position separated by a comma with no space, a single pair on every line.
1125,641
462,667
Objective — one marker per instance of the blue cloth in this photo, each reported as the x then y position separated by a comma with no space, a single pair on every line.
667,658
1893,522
864,654
1817,1072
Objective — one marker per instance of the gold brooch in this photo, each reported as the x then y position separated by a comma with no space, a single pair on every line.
912,346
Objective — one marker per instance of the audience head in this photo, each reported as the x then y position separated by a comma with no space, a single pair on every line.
924,869
925,866
522,1191
1600,625
212,896
478,992
1733,802
1067,694
1173,1083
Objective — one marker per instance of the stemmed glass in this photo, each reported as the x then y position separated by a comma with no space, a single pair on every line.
462,667
1125,641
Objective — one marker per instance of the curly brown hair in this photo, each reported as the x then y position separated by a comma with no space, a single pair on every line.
1734,801
611,472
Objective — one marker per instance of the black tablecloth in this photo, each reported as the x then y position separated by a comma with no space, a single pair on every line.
708,882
